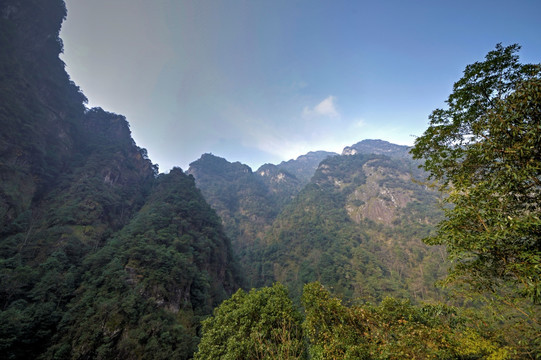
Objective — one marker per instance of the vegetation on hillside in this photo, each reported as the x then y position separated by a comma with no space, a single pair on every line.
263,325
99,256
143,293
329,234
102,257
244,203
484,150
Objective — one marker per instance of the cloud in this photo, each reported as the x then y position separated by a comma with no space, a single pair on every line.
324,108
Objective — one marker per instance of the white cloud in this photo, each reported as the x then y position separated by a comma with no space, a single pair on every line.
324,108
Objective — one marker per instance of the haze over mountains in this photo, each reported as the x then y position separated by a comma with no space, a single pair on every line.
93,238
363,204
100,257
103,257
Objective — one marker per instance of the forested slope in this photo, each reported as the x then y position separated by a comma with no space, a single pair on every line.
102,257
357,228
87,229
357,225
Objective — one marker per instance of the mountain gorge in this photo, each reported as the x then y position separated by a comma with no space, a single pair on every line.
103,257
249,201
356,225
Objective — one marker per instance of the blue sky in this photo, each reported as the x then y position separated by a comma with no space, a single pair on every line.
264,81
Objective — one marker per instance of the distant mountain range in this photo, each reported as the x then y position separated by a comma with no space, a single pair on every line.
378,147
315,217
102,257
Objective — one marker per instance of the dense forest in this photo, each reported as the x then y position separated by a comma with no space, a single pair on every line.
101,257
381,252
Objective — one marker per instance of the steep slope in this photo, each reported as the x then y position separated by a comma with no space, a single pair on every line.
71,180
40,110
249,201
244,203
145,291
303,167
357,227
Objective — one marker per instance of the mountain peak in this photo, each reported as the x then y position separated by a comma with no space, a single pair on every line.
378,147
216,165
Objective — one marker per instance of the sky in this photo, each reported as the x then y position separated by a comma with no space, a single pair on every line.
262,81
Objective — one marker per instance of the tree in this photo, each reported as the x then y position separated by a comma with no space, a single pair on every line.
261,324
394,329
484,151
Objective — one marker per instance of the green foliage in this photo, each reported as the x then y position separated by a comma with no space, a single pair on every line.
38,100
240,197
261,324
393,330
484,149
318,237
79,275
67,219
144,292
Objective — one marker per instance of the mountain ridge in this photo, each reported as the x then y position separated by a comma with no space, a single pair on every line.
99,255
350,209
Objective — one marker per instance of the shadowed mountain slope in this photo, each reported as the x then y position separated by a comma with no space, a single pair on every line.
94,247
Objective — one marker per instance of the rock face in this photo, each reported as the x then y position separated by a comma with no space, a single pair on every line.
304,167
356,227
382,195
281,183
389,185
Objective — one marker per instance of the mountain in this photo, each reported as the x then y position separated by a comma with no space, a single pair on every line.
282,184
242,200
286,179
145,291
378,147
99,255
247,201
357,228
304,166
357,225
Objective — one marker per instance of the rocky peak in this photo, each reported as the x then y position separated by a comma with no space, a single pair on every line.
304,166
377,147
213,165
108,127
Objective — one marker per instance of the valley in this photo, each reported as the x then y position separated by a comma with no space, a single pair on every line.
381,252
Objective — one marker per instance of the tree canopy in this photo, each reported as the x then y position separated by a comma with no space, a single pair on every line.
484,151
261,324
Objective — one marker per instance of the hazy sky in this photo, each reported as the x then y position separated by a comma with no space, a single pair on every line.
261,81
